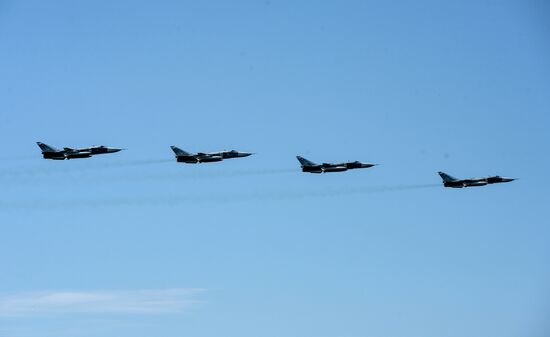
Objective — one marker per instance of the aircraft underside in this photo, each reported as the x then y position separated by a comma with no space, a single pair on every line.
194,160
335,169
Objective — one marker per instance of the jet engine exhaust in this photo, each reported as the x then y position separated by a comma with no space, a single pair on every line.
178,200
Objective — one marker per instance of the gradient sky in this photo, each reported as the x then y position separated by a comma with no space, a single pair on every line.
134,244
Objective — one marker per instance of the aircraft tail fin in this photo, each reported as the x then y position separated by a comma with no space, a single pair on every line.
446,178
46,147
179,152
304,162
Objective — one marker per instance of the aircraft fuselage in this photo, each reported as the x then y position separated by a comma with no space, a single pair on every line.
197,159
189,158
49,152
449,181
311,167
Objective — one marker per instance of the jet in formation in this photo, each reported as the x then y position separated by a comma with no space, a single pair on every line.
311,167
50,152
449,181
200,157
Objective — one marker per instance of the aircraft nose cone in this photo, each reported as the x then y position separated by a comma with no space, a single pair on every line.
245,154
113,149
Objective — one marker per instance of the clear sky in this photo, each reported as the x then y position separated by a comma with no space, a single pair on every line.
134,244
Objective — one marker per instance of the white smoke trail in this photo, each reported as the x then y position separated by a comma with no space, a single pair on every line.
178,199
64,167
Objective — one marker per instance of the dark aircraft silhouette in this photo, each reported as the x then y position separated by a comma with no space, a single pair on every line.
311,167
50,152
197,158
449,181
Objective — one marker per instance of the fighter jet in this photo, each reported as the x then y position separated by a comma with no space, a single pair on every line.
200,157
449,181
50,152
311,167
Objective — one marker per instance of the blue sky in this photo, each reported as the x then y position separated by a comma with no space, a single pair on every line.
134,244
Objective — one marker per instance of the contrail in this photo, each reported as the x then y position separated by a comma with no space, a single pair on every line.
133,162
175,200
35,171
196,174
16,158
183,174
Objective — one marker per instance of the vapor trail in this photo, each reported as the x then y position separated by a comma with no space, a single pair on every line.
197,174
16,158
80,176
175,200
49,170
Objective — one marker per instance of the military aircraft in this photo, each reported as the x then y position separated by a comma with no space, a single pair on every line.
200,157
449,181
311,167
50,152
